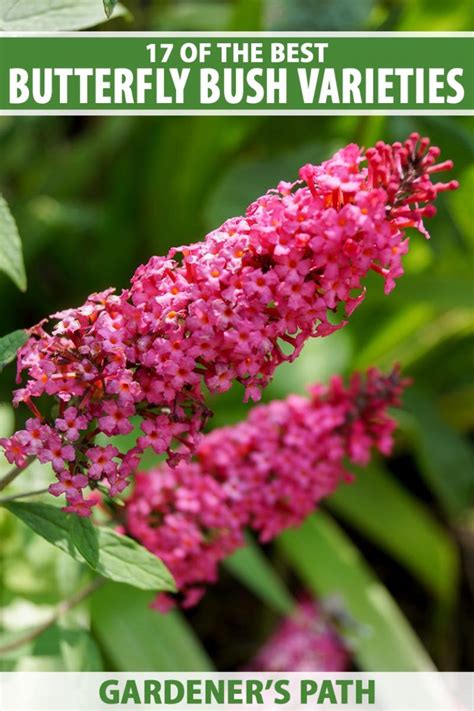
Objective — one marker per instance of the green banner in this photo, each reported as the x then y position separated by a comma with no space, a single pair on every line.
237,72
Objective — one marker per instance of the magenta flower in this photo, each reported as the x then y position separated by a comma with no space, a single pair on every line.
103,463
267,473
304,642
56,452
34,436
81,507
218,311
71,424
15,449
69,484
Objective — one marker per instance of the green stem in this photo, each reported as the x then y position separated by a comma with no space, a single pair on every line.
22,495
63,608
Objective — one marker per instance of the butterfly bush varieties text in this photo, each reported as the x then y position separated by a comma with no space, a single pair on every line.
267,473
222,310
304,641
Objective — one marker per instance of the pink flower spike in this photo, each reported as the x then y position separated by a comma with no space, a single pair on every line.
223,310
303,642
267,473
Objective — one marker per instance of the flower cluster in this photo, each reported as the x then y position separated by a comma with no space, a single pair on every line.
303,642
218,311
267,473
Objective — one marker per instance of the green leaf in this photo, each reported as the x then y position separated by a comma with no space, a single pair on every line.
412,333
72,649
331,566
445,292
318,361
84,538
109,6
52,15
9,346
119,558
379,507
79,651
248,178
134,637
125,561
247,15
456,407
425,15
47,521
402,328
14,637
251,567
445,458
11,254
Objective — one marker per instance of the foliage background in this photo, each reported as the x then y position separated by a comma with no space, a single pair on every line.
93,198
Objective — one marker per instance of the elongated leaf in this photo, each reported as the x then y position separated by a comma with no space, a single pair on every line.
79,650
84,538
318,361
331,566
47,521
384,347
412,333
444,292
456,408
52,15
9,346
11,254
119,557
248,178
250,566
134,637
125,561
14,638
247,15
109,6
71,649
445,458
378,506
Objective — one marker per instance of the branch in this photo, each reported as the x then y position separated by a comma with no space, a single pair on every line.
23,495
61,610
11,476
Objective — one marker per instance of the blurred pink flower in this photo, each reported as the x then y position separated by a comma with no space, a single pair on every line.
267,473
303,642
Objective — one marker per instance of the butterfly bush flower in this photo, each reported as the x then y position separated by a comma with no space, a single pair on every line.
303,642
267,473
226,309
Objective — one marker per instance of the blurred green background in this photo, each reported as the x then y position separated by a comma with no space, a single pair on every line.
392,554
